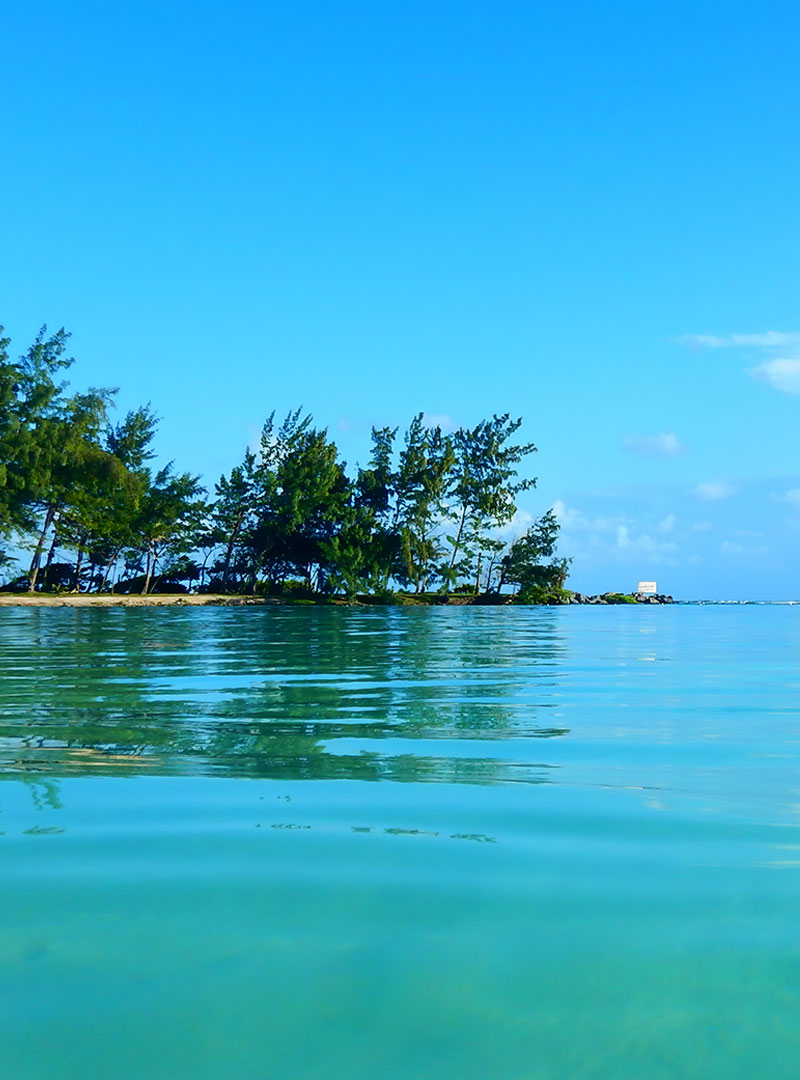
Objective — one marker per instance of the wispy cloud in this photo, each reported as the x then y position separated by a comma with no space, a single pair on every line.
769,339
516,527
792,496
729,548
600,539
442,420
782,372
643,543
573,520
666,444
714,490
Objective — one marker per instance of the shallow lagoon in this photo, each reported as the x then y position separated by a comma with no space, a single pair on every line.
313,842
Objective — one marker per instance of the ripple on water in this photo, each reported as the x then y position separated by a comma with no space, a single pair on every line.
313,842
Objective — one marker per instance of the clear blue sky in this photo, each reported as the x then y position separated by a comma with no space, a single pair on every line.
586,214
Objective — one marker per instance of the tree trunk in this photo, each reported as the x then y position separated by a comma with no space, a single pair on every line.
150,567
203,571
109,564
229,552
33,573
457,544
76,581
478,574
50,556
425,560
93,564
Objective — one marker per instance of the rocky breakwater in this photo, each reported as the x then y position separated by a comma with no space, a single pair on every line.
621,598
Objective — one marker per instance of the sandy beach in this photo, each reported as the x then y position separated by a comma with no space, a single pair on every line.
125,600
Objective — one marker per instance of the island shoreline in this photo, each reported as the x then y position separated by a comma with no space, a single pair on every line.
152,600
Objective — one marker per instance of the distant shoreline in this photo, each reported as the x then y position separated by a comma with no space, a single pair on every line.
109,600
80,600
105,600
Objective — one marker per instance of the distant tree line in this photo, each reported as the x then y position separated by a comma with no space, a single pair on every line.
423,516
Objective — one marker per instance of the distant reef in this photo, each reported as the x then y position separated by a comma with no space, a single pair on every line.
621,598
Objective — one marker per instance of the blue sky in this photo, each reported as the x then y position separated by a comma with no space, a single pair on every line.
584,214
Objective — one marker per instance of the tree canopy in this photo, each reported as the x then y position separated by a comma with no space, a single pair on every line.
83,507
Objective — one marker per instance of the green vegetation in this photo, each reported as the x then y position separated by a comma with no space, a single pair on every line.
420,523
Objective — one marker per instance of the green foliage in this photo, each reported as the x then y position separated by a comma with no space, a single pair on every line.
301,503
424,515
420,492
32,439
167,521
483,488
532,563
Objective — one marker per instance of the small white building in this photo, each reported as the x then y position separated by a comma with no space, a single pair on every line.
647,588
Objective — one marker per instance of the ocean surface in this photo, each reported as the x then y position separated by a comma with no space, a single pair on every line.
385,843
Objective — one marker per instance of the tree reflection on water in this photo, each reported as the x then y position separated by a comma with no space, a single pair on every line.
441,695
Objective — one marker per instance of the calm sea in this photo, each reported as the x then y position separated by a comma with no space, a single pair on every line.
383,843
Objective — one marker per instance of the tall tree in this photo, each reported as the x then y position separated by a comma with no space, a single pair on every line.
9,437
532,563
364,551
482,491
30,399
420,488
72,468
309,503
233,514
167,520
112,526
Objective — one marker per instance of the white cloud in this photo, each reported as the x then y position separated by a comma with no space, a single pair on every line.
782,374
602,540
643,543
666,444
714,490
442,420
566,515
752,551
516,527
727,548
792,497
573,520
702,526
769,339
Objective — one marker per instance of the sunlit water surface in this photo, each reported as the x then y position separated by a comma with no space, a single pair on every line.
386,843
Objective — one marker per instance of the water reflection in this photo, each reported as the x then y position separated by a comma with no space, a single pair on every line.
459,696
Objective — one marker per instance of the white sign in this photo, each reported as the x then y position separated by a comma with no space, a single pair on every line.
647,588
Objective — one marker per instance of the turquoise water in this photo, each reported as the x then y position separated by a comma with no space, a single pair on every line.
324,843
